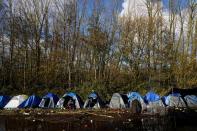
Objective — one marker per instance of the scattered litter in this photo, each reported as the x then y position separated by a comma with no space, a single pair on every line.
26,114
91,121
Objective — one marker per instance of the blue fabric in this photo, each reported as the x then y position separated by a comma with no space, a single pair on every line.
93,95
51,95
71,94
32,102
74,96
134,95
4,100
151,97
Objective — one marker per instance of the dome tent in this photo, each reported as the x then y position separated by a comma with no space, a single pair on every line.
70,101
94,101
151,97
32,102
191,101
174,100
49,101
136,96
154,103
118,101
3,101
16,101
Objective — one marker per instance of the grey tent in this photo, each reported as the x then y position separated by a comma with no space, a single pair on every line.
191,101
174,100
118,101
70,101
94,102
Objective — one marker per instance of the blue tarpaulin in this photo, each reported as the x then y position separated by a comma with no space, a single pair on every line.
93,95
151,97
134,95
4,100
32,102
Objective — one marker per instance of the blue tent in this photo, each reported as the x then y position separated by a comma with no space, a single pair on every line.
94,101
32,102
49,101
136,96
4,100
76,99
151,97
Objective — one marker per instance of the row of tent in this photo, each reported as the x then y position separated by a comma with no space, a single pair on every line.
118,101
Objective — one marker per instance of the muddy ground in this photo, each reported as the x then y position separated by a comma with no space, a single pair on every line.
94,120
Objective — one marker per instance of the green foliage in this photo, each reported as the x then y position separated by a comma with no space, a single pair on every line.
86,52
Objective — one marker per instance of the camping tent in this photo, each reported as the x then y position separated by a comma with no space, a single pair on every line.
154,103
191,101
136,96
94,101
153,100
3,101
32,102
118,101
49,101
174,100
151,97
16,101
70,101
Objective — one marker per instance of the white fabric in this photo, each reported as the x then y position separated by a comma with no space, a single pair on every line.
117,102
191,101
50,105
16,101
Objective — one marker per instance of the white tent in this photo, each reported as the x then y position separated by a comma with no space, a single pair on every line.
16,101
118,101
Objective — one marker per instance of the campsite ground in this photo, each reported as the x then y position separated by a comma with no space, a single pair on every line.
38,119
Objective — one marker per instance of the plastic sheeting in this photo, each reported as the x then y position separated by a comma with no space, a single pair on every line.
77,100
136,96
49,101
118,101
98,102
16,101
191,101
4,100
32,102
